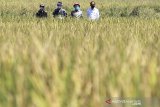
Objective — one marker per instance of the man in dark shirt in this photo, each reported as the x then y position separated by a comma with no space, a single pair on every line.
41,12
59,12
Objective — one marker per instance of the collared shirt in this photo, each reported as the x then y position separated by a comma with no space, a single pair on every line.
77,14
60,13
93,14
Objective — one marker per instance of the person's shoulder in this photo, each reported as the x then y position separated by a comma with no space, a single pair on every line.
96,9
39,10
46,12
56,9
81,11
64,10
72,11
88,9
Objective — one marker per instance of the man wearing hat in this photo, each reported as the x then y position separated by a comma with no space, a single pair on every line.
77,13
93,12
41,12
59,12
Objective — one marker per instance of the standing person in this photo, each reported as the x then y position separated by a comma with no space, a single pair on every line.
77,13
41,12
93,12
59,11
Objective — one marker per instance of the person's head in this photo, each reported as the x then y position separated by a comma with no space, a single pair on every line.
92,4
76,6
42,6
59,5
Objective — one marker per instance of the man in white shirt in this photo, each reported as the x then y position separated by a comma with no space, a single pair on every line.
93,12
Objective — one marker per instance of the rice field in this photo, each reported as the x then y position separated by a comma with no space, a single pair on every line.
79,63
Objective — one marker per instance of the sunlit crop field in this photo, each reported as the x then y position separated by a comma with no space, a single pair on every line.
79,63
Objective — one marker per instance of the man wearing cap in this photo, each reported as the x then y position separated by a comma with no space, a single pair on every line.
59,12
93,12
41,12
77,13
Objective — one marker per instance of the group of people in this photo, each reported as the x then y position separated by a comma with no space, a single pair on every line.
92,12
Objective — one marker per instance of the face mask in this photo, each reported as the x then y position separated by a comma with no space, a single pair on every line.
77,8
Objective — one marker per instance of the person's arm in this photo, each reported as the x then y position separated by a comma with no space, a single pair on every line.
54,13
82,15
46,14
65,13
38,13
98,15
88,13
72,13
